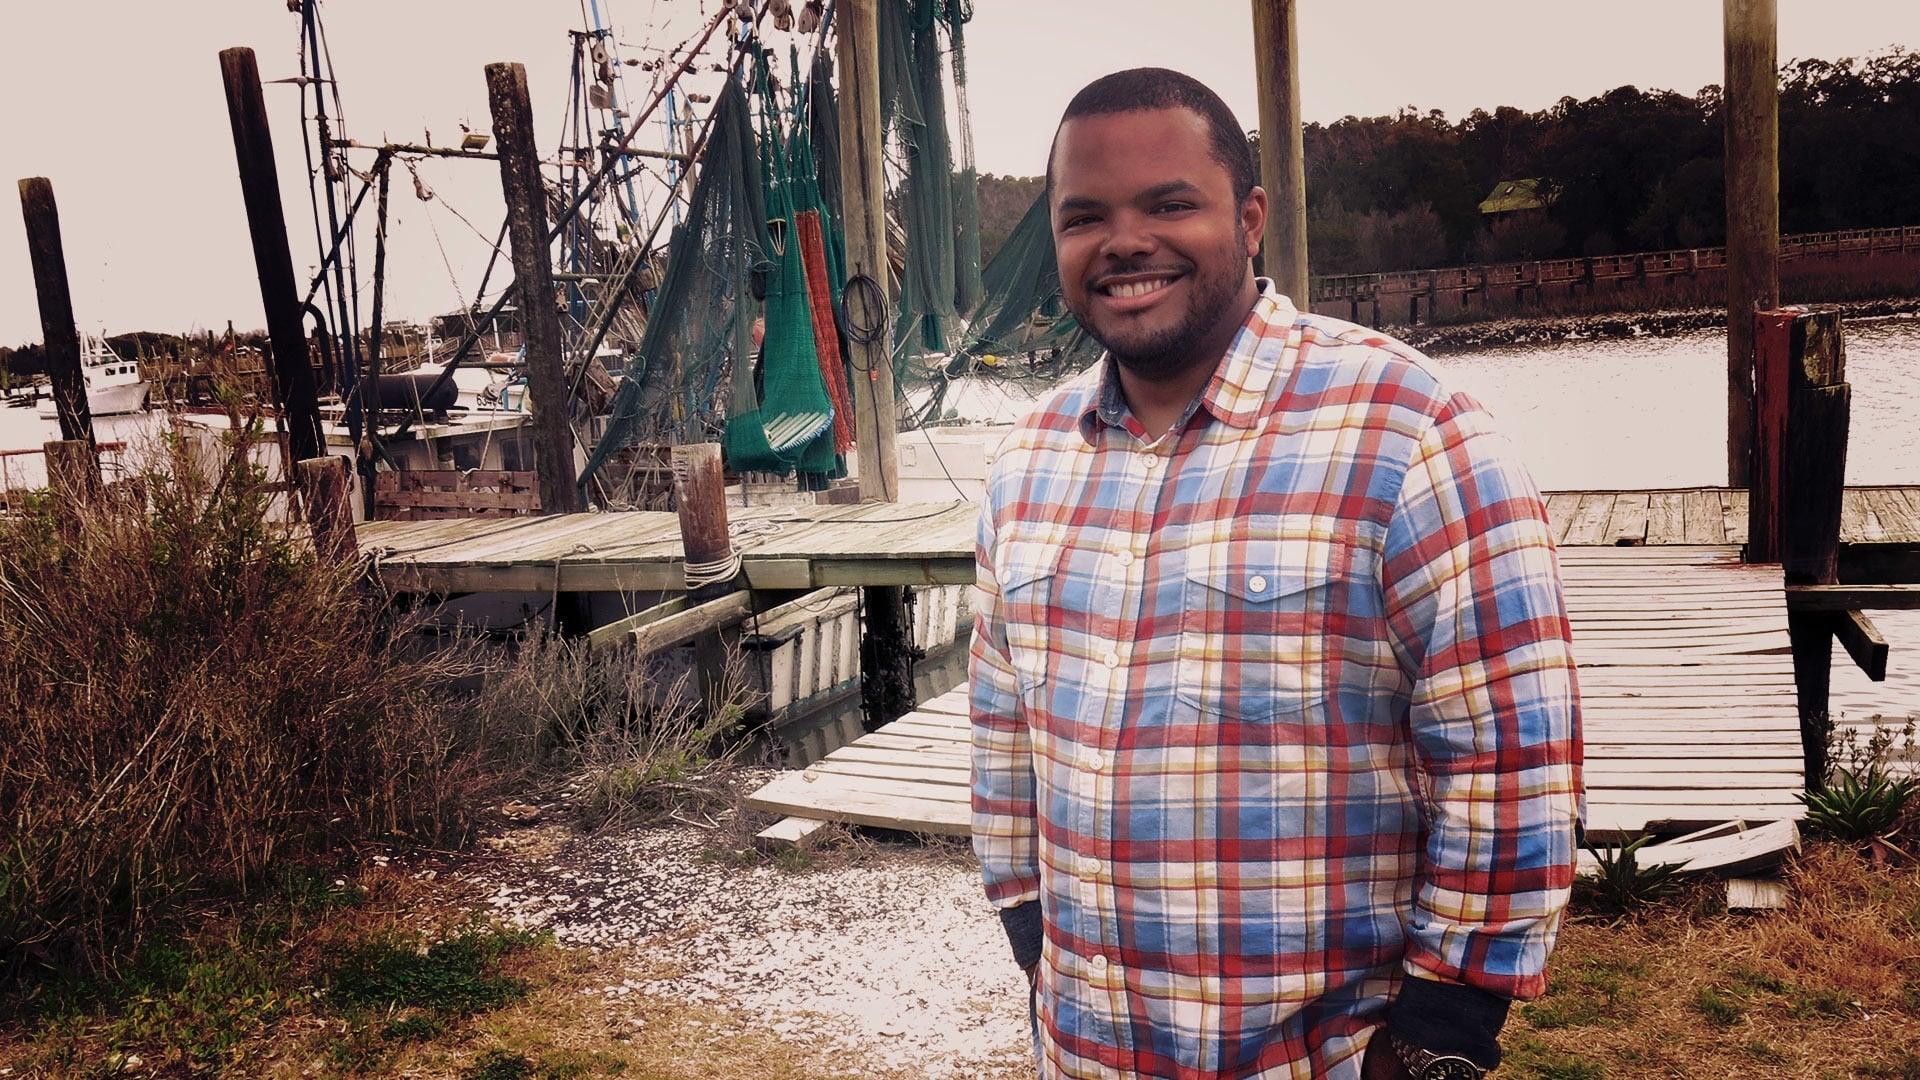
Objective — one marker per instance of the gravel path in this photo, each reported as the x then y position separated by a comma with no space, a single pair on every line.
889,955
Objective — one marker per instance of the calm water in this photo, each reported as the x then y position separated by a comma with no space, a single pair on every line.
1633,413
1651,412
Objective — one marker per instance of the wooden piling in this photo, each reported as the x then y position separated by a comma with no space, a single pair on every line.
1752,111
323,488
886,663
58,335
73,471
1773,357
1283,171
1812,484
700,500
540,320
862,194
293,384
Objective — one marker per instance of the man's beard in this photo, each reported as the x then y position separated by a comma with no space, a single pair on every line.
1164,353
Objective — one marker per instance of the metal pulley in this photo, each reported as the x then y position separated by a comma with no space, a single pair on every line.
811,15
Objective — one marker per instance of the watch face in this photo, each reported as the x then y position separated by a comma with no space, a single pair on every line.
1451,1068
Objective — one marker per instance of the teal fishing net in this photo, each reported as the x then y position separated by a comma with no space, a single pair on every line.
941,221
785,423
1020,309
699,338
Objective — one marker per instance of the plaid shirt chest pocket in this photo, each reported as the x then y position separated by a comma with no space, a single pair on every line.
1026,570
1259,612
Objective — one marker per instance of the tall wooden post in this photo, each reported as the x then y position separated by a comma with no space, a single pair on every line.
1752,111
700,499
886,664
539,319
323,487
293,385
1283,168
862,196
57,333
73,472
1813,486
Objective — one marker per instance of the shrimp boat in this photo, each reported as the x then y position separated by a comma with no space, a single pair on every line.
114,385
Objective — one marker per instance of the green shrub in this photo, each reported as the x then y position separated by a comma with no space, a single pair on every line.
1620,883
1858,806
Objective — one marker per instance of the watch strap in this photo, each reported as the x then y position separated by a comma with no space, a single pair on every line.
1417,1059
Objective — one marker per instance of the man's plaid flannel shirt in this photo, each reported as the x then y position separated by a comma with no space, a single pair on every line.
1272,712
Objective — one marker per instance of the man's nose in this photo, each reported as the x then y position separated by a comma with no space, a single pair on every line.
1129,237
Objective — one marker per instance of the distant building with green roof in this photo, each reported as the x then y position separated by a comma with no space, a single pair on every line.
1511,196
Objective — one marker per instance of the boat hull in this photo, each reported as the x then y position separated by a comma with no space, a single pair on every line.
111,401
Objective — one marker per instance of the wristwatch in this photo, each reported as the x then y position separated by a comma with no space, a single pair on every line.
1424,1064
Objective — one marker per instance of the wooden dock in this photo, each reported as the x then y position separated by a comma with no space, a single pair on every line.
1686,683
1869,515
801,547
782,547
1686,671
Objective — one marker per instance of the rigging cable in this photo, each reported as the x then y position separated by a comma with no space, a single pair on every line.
467,340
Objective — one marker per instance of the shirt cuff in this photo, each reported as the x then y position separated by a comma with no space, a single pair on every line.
1450,1018
1023,925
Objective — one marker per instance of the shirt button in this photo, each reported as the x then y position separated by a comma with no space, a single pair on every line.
1257,584
1112,660
1098,963
1126,558
1093,763
1152,461
1090,867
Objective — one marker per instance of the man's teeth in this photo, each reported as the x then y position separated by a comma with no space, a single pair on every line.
1128,289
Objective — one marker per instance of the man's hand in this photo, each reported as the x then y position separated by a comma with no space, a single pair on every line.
1381,1063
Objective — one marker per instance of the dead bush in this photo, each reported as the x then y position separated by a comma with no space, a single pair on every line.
188,697
631,738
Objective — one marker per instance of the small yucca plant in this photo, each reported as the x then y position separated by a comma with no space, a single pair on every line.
1621,884
1859,806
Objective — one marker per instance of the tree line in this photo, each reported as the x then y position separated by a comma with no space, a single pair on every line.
1627,170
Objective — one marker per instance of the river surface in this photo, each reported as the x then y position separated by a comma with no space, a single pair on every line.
1604,413
1651,413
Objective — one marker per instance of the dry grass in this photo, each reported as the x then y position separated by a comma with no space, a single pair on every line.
192,699
387,975
631,741
1829,987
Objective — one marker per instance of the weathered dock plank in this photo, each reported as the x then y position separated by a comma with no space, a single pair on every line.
1880,514
780,546
1689,708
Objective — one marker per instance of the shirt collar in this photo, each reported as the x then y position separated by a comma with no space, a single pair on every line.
1260,355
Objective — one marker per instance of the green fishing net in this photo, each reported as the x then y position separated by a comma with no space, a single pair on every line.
699,336
939,211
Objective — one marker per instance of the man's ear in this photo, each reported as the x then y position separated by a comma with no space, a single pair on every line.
1253,218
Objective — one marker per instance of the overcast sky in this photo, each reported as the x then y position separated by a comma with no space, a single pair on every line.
119,102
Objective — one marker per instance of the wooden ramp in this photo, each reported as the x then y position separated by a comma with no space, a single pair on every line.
1686,684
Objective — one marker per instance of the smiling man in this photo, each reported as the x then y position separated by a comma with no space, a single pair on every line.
1276,763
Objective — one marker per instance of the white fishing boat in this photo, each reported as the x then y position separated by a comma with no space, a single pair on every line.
114,385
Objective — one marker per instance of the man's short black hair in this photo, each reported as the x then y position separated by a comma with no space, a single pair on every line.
1137,89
